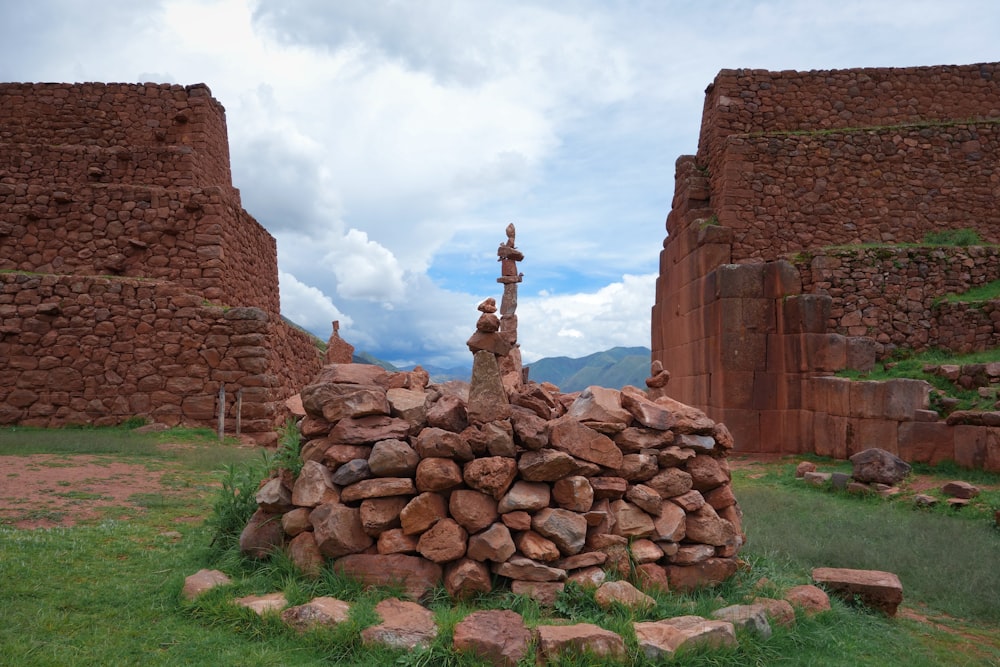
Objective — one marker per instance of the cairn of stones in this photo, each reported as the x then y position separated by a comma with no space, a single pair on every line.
418,483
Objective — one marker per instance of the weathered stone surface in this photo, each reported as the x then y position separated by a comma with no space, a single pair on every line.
404,625
637,438
422,512
645,551
706,473
630,521
691,501
780,612
393,458
645,498
611,488
263,604
802,468
687,419
671,524
448,413
338,530
487,396
439,443
498,438
646,412
638,467
567,529
555,640
435,474
319,612
673,456
443,542
706,573
652,577
573,493
525,569
544,593
878,465
623,593
493,544
750,617
395,541
690,554
876,589
417,575
811,599
519,520
274,497
705,526
409,405
530,430
671,482
378,487
304,552
351,472
536,547
473,510
334,402
362,374
582,560
465,577
203,581
959,489
588,577
497,636
661,639
262,535
336,454
545,465
380,514
314,486
568,435
599,404
367,430
492,475
721,497
526,496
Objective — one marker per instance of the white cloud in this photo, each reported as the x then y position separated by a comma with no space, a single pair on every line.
365,270
308,306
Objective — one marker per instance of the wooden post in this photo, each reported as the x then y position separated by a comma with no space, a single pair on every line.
222,412
239,410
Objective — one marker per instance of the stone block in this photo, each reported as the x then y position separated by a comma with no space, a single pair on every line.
926,442
880,433
977,447
830,435
876,589
743,351
831,395
781,279
825,352
903,398
739,280
733,389
806,313
860,353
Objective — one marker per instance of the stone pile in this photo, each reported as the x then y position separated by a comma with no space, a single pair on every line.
421,483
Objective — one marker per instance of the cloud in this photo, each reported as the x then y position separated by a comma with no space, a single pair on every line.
365,270
308,306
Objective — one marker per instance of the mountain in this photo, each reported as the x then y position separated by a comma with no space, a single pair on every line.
612,368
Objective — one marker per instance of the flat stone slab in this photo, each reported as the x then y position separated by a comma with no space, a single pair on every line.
876,589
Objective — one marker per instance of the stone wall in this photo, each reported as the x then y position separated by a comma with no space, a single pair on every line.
803,159
112,190
806,167
894,295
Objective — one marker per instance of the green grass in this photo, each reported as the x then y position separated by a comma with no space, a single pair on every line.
981,294
108,592
905,364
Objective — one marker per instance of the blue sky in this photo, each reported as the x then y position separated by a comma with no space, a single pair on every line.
387,144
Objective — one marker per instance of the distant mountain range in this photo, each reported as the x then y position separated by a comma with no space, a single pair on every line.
612,368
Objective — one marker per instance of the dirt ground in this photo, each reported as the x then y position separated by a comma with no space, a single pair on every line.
43,491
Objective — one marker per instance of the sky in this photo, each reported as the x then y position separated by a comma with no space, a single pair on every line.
386,144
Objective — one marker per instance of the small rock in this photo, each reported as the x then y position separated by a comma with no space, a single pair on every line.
623,593
318,612
404,625
811,599
962,490
263,604
804,467
203,581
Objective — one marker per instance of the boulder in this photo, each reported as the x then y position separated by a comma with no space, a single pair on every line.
203,581
878,465
875,589
338,530
417,575
405,625
262,535
319,612
496,636
661,639
623,593
555,640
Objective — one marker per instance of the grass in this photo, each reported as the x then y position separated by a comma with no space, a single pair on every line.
981,294
905,364
107,592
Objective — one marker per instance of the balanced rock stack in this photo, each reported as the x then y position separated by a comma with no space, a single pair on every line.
424,483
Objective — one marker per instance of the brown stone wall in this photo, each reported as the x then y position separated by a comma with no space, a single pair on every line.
893,294
120,230
808,166
83,350
783,193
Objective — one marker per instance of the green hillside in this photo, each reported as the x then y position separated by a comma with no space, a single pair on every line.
612,368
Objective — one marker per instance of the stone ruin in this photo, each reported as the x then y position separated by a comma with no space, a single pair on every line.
796,248
132,282
405,480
